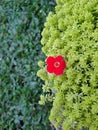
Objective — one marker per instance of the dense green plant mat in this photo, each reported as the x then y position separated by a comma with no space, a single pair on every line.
72,31
21,23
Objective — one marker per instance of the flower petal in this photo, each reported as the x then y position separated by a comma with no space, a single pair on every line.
59,58
50,68
58,71
63,64
50,60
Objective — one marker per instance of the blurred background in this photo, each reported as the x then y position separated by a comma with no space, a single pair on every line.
21,24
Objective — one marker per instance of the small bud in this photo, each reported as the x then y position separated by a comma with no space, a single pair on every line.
42,100
40,63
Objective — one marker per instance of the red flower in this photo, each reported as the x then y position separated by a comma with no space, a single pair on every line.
55,65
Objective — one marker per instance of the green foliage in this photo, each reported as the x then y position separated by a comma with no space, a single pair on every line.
21,23
72,31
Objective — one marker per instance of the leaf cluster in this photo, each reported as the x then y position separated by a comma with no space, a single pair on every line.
21,23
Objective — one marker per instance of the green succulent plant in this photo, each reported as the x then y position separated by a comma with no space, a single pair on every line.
72,31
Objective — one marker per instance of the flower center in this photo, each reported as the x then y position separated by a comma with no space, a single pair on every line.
57,64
